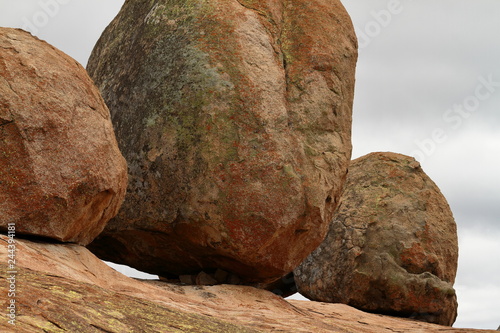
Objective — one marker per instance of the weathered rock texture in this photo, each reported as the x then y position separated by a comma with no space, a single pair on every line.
53,304
65,288
392,246
61,173
234,117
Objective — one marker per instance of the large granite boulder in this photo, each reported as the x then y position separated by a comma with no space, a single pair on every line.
61,173
234,117
392,246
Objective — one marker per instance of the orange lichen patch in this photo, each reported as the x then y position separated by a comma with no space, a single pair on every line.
413,258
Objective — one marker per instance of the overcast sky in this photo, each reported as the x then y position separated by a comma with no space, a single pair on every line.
428,85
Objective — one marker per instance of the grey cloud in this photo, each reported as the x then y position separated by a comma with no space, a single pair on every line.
424,62
72,26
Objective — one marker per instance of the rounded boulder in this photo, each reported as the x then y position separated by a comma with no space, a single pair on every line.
235,120
392,246
62,175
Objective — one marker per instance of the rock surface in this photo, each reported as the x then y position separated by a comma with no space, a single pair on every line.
64,287
235,119
392,246
56,304
61,173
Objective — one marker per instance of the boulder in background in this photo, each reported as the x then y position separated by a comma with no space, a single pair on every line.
392,247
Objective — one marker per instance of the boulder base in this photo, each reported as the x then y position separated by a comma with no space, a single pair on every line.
64,287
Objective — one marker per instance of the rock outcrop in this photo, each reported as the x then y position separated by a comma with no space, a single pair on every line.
56,304
65,288
61,173
234,117
392,246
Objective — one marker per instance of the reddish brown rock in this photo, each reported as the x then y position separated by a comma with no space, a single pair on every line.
61,173
392,246
234,117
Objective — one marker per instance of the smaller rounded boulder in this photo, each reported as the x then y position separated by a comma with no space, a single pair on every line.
62,175
392,246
